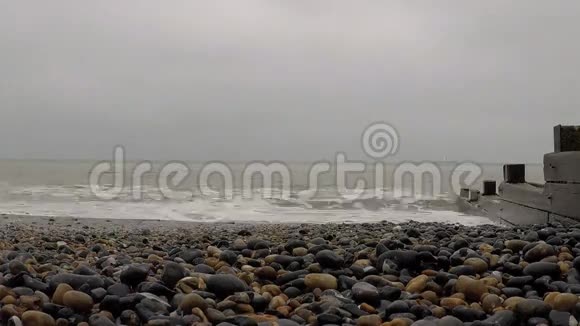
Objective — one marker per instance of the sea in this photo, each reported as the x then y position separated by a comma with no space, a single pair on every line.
64,188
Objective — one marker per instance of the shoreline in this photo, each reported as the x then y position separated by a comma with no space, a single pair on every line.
461,219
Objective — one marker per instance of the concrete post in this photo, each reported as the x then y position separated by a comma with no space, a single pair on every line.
514,173
566,138
489,188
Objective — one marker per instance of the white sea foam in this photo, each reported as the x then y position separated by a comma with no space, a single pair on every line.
77,201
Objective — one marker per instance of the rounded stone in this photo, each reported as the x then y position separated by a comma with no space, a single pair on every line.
130,318
449,321
565,302
61,289
418,284
471,288
516,245
478,264
37,318
328,258
450,303
430,296
532,308
172,273
78,301
511,303
365,292
190,301
266,273
369,320
299,252
539,252
223,285
16,267
100,320
239,245
539,269
321,281
490,302
134,274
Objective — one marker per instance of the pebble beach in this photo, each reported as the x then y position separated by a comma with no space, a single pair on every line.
67,271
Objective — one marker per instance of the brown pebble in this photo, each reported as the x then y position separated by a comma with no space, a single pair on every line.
418,284
314,268
438,312
490,302
154,259
8,300
263,318
107,315
30,302
321,281
9,310
473,289
433,287
244,308
565,256
368,308
399,322
363,263
284,310
478,264
272,289
511,303
369,320
564,267
550,298
430,272
294,303
276,302
565,302
516,245
192,300
61,289
450,303
299,252
476,306
77,300
485,247
4,291
62,322
431,296
458,296
200,314
266,273
37,318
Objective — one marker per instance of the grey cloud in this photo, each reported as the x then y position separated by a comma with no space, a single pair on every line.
295,80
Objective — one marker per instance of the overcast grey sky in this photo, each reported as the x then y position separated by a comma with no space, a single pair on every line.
299,80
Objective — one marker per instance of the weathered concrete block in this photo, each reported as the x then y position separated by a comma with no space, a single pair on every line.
514,173
562,167
564,198
473,195
518,214
566,138
524,194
